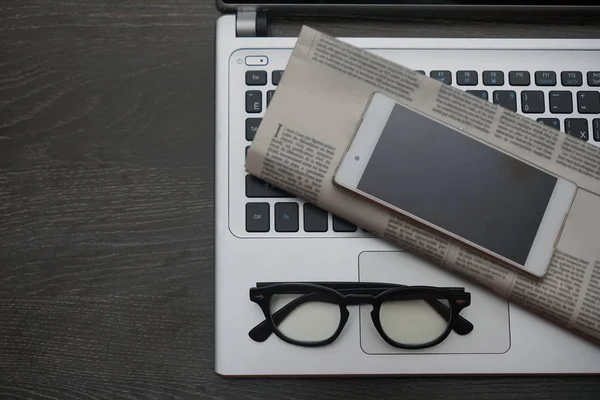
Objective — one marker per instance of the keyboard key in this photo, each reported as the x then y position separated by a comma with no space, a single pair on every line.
257,217
519,78
596,129
286,217
253,101
251,127
533,102
467,78
254,78
588,102
256,187
561,102
270,94
571,78
276,77
506,98
315,218
577,127
593,78
420,71
493,78
247,148
341,225
479,93
545,78
551,122
442,76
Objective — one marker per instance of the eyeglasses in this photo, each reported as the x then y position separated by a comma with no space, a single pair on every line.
314,314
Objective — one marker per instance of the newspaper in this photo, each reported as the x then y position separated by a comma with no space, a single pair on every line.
332,82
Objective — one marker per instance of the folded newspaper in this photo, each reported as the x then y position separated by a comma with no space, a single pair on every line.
333,81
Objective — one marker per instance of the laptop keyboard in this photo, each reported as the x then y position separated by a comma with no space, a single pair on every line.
287,212
575,111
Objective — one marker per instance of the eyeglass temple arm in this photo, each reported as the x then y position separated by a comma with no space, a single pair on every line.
354,286
373,288
263,330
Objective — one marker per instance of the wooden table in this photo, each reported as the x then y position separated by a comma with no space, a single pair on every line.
106,208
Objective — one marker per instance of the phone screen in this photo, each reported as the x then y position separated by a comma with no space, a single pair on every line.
457,183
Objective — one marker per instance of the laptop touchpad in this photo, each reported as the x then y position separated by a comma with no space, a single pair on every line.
488,312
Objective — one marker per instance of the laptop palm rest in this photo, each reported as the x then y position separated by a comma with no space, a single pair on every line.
488,312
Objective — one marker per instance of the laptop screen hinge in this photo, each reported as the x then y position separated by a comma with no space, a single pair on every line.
250,23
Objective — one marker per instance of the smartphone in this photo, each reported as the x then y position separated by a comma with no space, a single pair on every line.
458,185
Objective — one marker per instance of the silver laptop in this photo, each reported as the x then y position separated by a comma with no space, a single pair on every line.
555,82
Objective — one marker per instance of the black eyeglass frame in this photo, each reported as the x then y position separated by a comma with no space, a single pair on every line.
355,293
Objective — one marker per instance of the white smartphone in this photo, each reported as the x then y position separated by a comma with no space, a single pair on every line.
456,184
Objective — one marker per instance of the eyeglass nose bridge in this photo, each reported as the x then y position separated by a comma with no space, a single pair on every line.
355,299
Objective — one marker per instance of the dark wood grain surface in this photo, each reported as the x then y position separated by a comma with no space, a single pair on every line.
106,207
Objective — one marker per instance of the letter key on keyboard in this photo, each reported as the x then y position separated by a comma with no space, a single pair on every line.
270,94
577,127
552,122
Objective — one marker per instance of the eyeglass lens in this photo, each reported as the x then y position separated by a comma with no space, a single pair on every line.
311,318
414,321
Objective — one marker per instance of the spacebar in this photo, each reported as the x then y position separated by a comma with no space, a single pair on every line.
256,187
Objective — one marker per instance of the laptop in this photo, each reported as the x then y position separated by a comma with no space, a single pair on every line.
553,81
